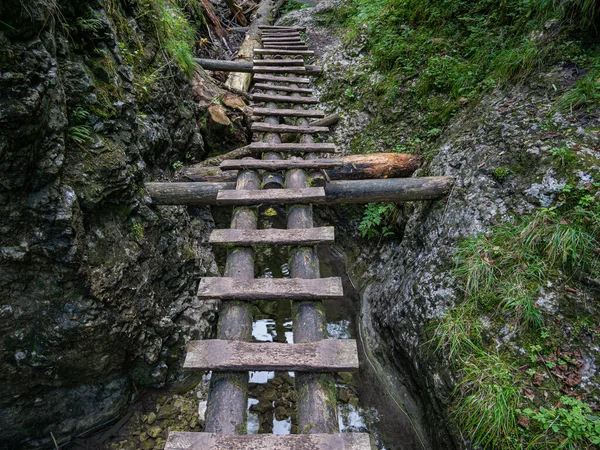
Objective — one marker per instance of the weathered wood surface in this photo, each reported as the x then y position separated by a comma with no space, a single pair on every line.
242,66
287,34
286,46
240,80
292,147
284,164
283,40
336,192
331,119
328,355
273,236
270,51
355,167
278,62
275,87
278,69
280,112
270,197
281,79
225,288
281,27
179,440
283,128
284,99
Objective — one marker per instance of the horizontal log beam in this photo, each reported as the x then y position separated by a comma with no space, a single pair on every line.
240,66
273,236
284,99
278,62
391,190
281,27
275,87
270,51
258,127
271,196
277,112
281,79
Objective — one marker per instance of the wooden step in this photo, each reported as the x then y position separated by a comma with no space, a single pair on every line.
270,51
270,288
280,164
259,147
276,112
258,127
287,46
286,40
181,440
270,196
278,69
283,34
273,236
274,87
280,79
284,99
328,355
281,27
278,62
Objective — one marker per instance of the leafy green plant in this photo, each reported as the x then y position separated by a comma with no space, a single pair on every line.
137,229
378,220
92,23
570,424
501,173
177,165
563,155
80,133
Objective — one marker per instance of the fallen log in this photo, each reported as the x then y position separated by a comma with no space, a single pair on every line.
336,192
326,121
239,66
356,167
241,79
238,14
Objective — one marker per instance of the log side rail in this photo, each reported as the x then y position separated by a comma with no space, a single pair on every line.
284,168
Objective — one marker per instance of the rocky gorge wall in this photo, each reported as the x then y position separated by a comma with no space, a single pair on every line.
96,284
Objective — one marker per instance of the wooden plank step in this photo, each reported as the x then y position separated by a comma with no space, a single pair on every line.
270,196
278,62
284,99
280,79
328,355
280,164
270,288
281,34
278,69
273,236
276,112
181,440
292,147
292,40
281,27
287,46
270,51
283,128
275,87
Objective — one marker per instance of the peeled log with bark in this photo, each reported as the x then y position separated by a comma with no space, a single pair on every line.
336,192
356,167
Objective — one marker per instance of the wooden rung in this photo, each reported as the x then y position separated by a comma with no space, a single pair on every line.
291,147
281,27
181,440
270,196
287,46
280,79
287,40
276,112
270,51
225,288
280,164
278,62
328,355
283,128
273,236
284,34
284,99
273,69
275,87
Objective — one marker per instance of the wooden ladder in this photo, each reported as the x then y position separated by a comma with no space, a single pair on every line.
313,357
